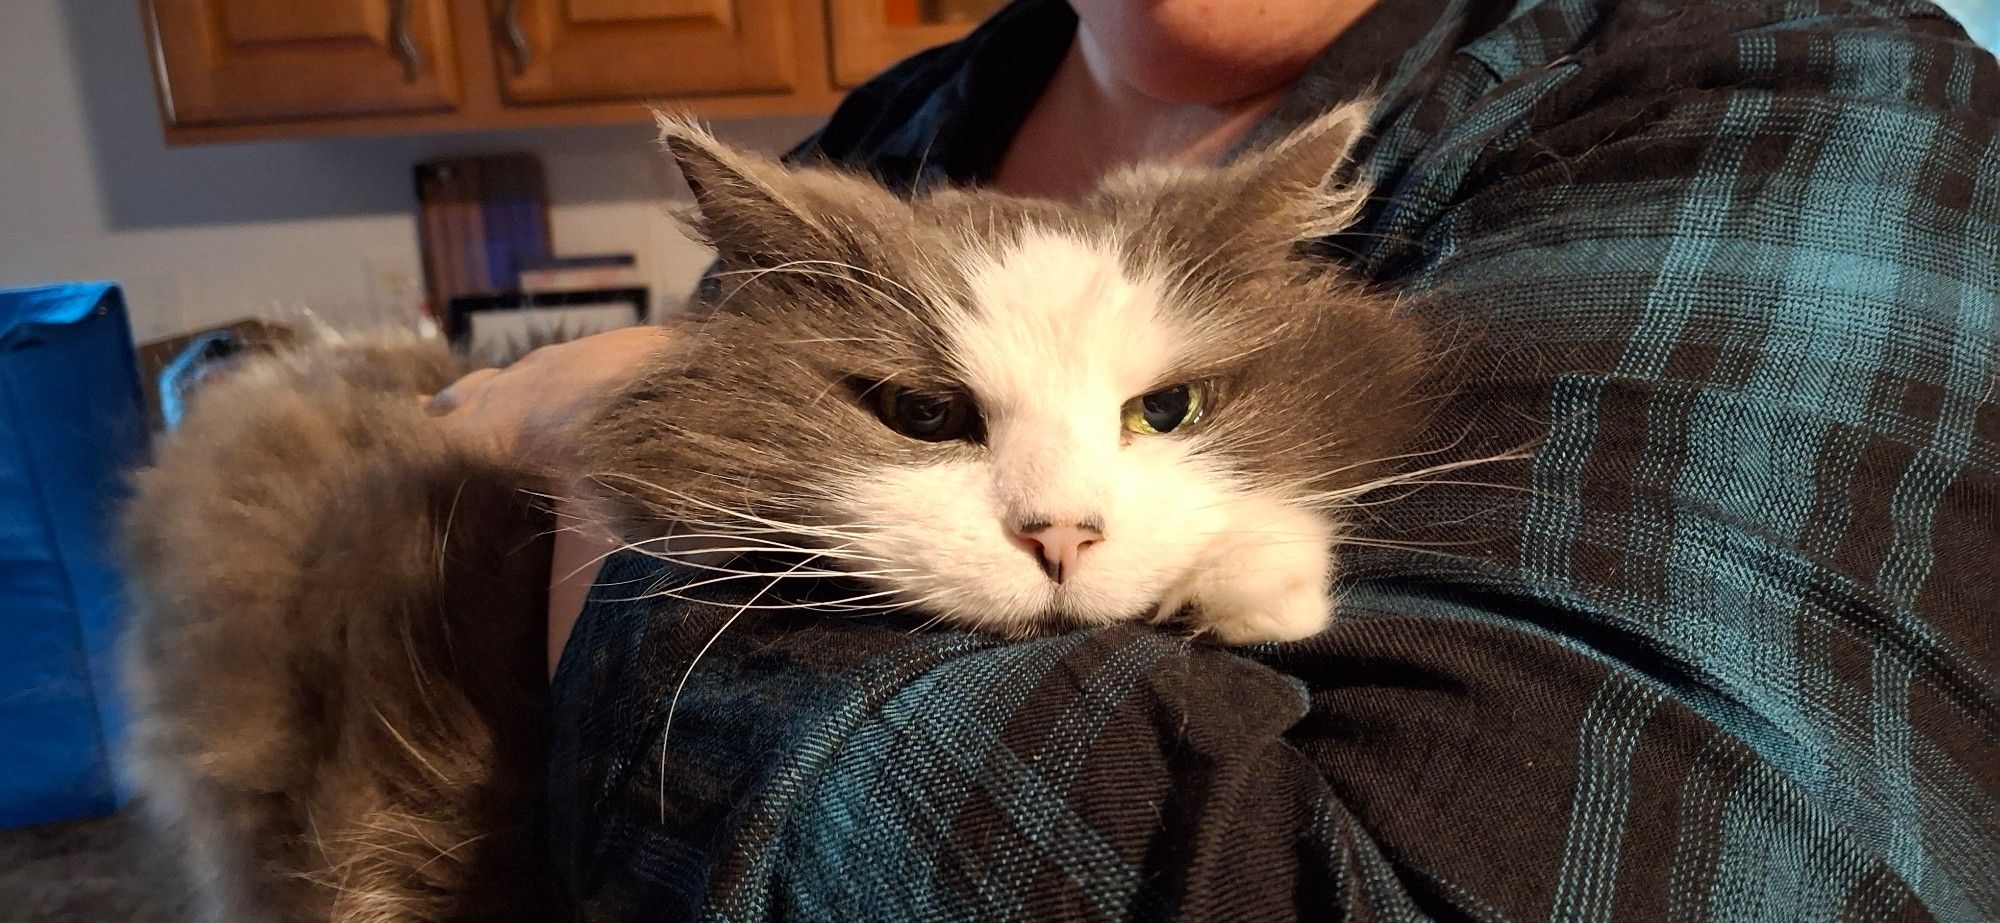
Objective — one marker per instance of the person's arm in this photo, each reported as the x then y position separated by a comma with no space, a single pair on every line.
1720,651
531,407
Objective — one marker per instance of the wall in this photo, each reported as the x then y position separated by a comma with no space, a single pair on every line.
208,234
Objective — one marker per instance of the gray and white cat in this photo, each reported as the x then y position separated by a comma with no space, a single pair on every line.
1018,416
1022,415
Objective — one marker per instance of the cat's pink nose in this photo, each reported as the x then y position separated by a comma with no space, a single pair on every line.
1058,546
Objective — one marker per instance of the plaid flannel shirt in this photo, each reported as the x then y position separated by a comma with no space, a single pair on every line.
1722,649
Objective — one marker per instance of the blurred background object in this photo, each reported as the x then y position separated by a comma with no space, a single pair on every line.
70,427
480,220
490,276
170,369
498,329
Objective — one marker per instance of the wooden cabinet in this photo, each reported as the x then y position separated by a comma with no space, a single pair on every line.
255,69
869,35
226,61
589,50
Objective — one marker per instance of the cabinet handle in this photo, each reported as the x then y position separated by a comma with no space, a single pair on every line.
402,42
517,40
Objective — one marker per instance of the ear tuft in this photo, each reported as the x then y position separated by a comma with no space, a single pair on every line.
1300,167
708,165
1312,151
751,208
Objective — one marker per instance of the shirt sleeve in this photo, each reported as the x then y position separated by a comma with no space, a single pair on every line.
1721,649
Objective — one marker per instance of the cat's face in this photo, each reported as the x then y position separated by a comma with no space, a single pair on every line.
1023,415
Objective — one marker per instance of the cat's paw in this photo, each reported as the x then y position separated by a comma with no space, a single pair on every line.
1287,610
1269,583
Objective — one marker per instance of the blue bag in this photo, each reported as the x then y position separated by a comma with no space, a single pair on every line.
70,425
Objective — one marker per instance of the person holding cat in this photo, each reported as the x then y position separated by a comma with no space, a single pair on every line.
1721,649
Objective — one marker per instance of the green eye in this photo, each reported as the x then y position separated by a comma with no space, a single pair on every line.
931,417
1164,411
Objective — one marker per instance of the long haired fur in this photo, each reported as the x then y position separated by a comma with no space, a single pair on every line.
336,661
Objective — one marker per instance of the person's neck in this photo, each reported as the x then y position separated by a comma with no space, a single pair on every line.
1088,122
1132,125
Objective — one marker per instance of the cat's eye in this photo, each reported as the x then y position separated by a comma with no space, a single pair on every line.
929,416
1165,410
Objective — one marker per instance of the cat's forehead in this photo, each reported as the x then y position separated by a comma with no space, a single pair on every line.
992,218
1004,296
1007,296
1059,310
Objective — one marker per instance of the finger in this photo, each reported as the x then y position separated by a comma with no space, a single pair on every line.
474,378
455,395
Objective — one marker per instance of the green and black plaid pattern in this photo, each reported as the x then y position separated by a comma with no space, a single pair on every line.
1724,648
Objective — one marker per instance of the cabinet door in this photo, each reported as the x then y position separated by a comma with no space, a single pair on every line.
869,35
583,50
255,60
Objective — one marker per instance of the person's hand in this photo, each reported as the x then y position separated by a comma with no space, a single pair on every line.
530,408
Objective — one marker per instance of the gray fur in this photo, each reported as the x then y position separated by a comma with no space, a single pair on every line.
335,659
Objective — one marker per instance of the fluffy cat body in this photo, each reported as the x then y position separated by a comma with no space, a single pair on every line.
1018,416
335,655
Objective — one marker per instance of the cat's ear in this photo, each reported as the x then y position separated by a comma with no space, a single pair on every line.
1296,176
753,209
1263,204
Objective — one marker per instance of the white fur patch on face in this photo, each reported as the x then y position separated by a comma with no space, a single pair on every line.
1055,338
